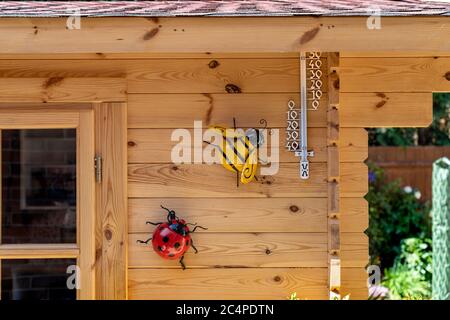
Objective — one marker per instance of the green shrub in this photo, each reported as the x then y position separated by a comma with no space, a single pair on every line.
395,214
410,276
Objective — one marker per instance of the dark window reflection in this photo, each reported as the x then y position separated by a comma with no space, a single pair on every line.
38,186
36,279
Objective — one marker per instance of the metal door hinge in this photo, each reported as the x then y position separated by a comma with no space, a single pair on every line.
98,168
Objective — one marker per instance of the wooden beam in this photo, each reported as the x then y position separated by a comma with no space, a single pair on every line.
155,145
188,180
240,250
59,89
86,204
36,251
397,74
218,34
391,54
333,178
111,222
390,109
228,283
171,76
181,110
225,215
43,119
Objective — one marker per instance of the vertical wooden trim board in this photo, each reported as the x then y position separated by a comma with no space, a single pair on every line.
111,226
1,208
86,204
334,264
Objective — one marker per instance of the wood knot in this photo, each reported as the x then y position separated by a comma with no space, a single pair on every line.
294,208
447,76
174,168
108,234
52,82
309,35
98,254
131,143
380,104
150,34
265,180
277,278
213,64
336,84
232,88
268,251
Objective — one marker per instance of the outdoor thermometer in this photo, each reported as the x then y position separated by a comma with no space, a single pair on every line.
297,119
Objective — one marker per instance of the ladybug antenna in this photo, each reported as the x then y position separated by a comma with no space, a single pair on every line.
170,214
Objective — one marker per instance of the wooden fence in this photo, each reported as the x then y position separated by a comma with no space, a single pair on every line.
413,165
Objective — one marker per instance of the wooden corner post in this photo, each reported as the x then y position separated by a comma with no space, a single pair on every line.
111,176
334,261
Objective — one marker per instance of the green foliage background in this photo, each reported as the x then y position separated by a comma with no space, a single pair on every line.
394,216
400,224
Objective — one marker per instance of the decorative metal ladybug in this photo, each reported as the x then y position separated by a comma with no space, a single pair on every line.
172,239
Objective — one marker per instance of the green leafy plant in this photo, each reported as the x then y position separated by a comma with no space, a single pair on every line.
410,276
293,296
395,214
401,137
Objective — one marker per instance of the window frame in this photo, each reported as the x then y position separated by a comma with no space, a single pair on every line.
107,97
84,249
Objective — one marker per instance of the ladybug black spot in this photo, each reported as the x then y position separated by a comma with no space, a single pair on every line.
161,228
165,239
187,242
176,245
159,248
171,255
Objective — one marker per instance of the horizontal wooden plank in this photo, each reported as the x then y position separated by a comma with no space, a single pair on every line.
354,283
394,74
354,214
391,54
148,55
226,215
168,180
227,283
172,75
389,109
261,215
354,250
38,251
59,89
213,55
181,110
257,250
243,250
218,34
30,119
241,284
155,145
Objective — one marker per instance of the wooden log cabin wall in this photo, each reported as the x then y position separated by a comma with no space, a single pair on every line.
274,236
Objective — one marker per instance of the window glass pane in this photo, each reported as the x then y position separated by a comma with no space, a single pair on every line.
38,186
36,279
